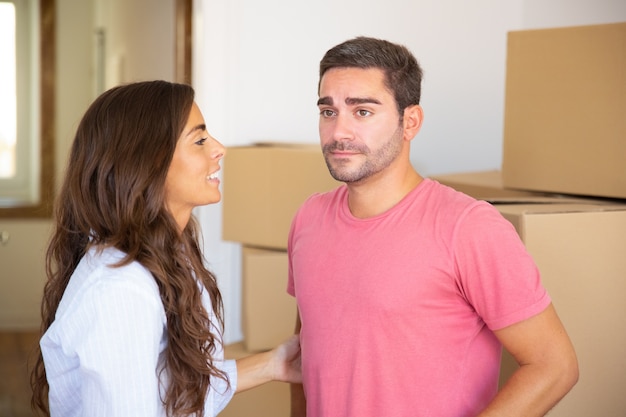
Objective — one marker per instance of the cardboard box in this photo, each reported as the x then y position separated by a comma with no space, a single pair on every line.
565,107
483,185
268,312
579,249
268,400
263,187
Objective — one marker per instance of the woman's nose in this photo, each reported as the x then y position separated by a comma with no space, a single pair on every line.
217,149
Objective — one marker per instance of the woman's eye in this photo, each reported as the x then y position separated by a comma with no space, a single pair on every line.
201,141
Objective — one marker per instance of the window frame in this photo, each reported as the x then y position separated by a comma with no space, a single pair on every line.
46,112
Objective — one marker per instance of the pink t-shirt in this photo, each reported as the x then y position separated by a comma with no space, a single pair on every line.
398,310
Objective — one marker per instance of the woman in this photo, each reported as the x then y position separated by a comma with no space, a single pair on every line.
132,319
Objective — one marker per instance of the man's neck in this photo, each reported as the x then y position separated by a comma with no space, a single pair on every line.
374,195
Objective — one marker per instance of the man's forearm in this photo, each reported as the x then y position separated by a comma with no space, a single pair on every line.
531,391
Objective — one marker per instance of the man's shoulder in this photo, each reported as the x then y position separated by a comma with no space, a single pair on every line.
325,198
447,197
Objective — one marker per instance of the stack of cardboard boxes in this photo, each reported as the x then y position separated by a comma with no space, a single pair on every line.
264,185
565,138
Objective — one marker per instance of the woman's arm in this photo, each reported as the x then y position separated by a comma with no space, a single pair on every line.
279,364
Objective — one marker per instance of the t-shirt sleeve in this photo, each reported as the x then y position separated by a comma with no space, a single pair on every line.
496,274
291,290
290,284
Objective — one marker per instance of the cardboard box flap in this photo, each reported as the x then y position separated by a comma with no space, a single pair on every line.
551,208
554,199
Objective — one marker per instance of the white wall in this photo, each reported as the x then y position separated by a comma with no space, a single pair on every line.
255,72
139,40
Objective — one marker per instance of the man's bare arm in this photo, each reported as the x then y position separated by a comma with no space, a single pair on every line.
548,367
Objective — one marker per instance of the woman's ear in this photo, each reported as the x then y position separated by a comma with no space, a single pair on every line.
412,121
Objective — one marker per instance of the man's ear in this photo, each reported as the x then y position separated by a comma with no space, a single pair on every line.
412,121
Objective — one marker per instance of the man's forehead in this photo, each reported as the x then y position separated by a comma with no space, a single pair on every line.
353,86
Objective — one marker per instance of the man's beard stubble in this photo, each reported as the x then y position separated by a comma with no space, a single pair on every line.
375,161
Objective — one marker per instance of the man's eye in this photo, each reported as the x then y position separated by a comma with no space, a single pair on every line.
363,113
327,113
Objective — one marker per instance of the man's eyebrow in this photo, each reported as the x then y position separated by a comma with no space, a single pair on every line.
326,101
350,101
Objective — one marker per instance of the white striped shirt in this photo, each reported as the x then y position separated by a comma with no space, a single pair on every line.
103,350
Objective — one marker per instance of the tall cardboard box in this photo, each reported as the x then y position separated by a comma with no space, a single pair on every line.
565,110
579,249
268,400
263,187
269,313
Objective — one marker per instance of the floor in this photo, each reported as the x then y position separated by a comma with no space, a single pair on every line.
15,348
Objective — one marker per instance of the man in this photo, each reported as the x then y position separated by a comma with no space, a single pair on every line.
406,289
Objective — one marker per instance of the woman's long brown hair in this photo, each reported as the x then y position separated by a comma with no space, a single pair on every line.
113,195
